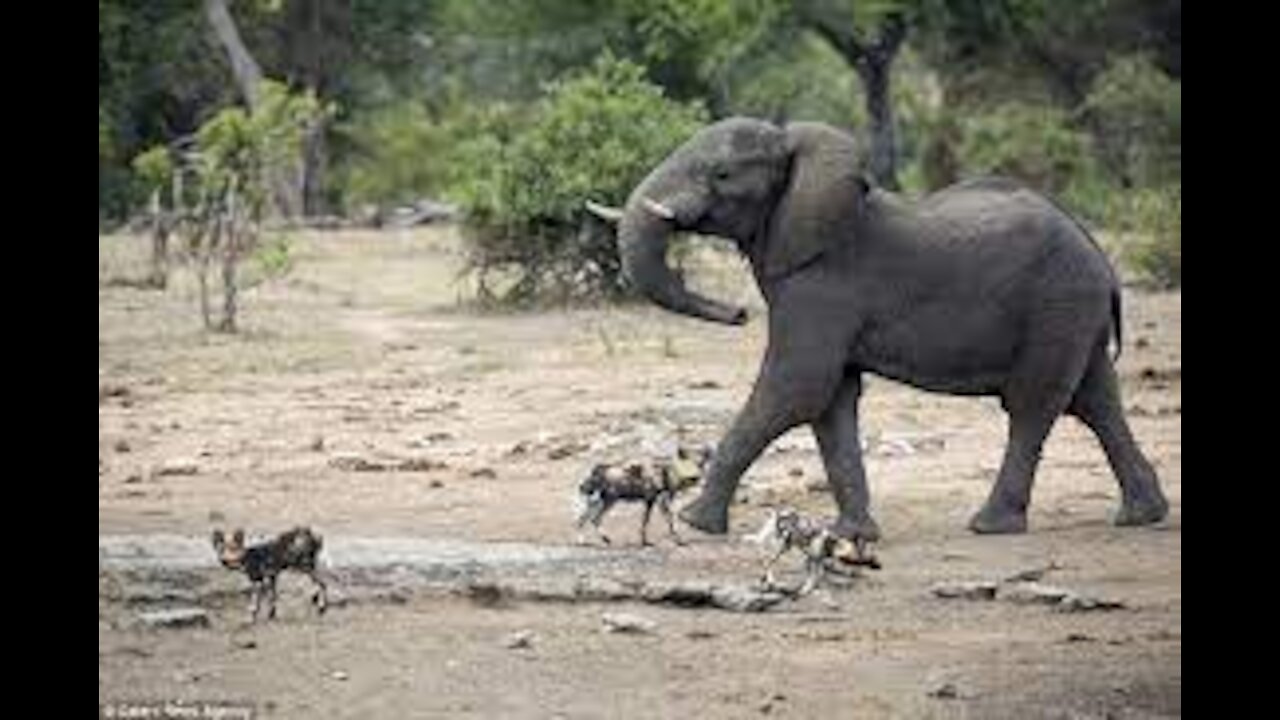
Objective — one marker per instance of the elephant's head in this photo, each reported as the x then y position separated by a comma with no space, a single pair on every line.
780,193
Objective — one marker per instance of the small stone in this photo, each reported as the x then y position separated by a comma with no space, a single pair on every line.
133,478
1034,593
519,640
965,590
627,623
355,463
421,465
946,691
122,446
175,618
177,466
771,702
484,473
565,451
316,444
1081,603
436,483
339,675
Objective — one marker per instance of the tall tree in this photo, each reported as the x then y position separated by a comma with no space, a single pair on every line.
869,41
287,183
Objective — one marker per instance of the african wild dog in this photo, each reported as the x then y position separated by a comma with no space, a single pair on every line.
789,530
296,549
652,483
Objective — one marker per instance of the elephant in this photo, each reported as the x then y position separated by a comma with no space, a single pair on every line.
983,288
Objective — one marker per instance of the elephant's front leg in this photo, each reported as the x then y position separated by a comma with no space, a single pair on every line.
793,388
839,441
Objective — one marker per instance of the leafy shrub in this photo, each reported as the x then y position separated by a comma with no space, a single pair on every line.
1033,143
522,186
400,154
1137,111
1154,219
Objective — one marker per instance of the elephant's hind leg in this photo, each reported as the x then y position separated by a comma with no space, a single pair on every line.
1097,404
1038,391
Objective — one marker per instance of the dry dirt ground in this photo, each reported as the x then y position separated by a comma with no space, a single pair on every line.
364,399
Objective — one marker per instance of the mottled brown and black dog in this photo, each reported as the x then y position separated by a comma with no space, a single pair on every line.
653,482
297,549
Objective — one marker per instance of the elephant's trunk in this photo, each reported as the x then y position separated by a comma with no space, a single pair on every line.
643,237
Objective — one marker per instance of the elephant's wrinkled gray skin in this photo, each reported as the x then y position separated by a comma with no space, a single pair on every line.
984,288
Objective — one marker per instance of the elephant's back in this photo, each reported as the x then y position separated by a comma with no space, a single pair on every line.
1007,218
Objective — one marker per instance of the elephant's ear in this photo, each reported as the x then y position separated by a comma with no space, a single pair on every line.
826,190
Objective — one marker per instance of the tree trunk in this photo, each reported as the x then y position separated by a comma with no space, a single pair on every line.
315,158
160,227
874,64
286,185
247,72
206,251
232,238
874,73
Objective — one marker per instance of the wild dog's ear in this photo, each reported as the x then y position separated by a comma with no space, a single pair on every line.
825,190
237,538
219,540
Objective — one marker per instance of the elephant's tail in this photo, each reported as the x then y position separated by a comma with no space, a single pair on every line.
1117,322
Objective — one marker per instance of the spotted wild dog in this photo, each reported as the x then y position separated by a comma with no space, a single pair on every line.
788,530
654,482
296,549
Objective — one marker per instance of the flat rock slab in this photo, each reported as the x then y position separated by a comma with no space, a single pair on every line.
175,618
177,552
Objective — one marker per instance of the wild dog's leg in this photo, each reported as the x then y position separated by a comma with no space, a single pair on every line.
664,504
259,587
271,589
813,572
321,597
767,578
591,512
598,516
644,523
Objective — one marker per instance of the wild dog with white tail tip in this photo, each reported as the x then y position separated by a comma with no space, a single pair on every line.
787,530
651,482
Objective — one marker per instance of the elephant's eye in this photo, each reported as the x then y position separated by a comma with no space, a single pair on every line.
720,174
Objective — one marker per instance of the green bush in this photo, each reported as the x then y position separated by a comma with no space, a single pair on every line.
522,187
1038,145
1153,219
400,153
1137,111
1033,143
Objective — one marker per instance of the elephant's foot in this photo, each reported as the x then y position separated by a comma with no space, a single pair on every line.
862,530
994,520
1143,510
709,515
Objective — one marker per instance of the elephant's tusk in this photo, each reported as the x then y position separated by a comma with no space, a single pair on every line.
604,212
658,209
